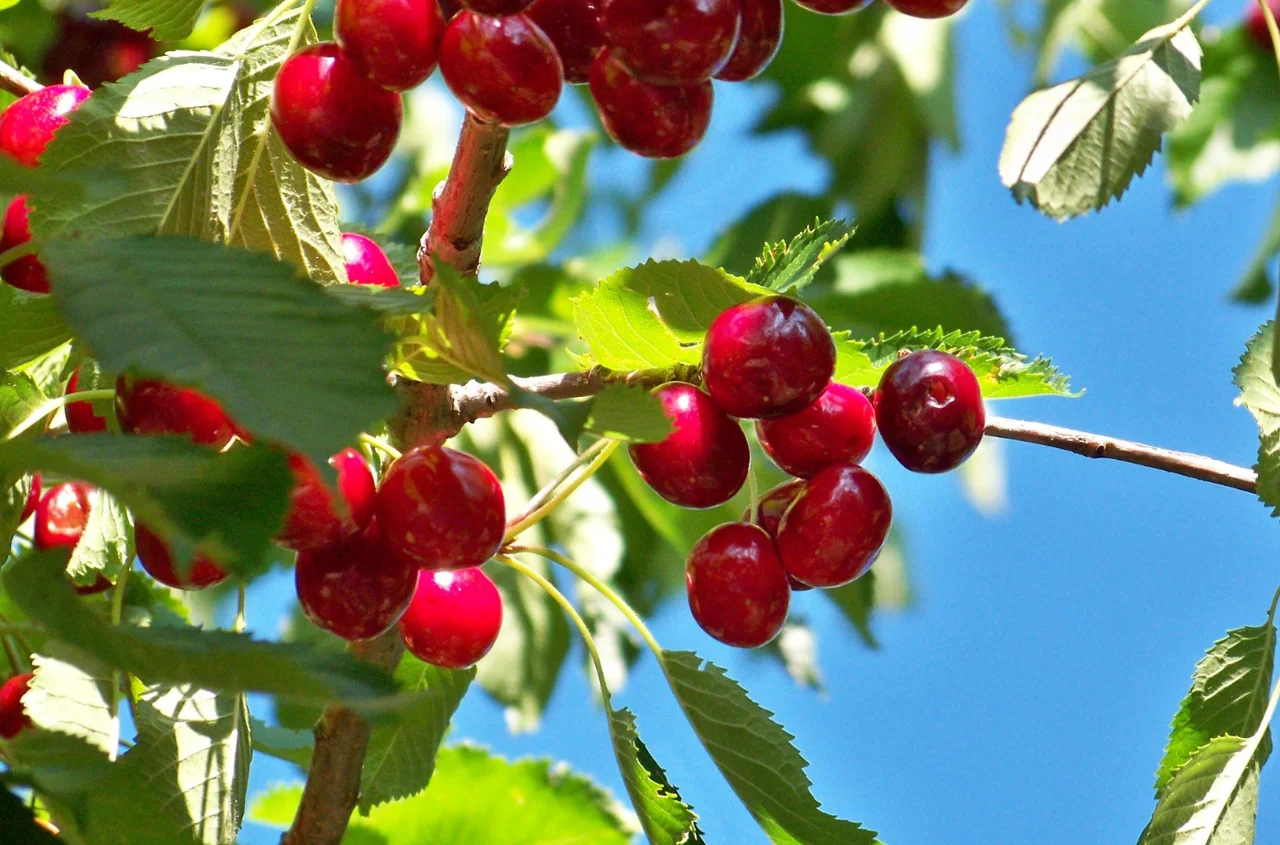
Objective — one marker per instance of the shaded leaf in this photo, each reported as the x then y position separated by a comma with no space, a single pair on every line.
168,20
665,817
32,327
69,694
294,746
19,823
1212,800
106,544
1256,379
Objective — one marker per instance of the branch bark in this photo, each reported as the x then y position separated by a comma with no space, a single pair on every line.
15,82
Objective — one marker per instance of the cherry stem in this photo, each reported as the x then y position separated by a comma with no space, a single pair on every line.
386,448
753,485
544,495
54,404
20,251
239,624
117,678
16,82
300,29
536,514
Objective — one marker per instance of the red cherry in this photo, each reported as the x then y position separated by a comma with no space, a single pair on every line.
97,50
33,499
146,406
101,585
655,121
758,43
928,8
768,357
335,122
13,716
81,418
441,508
772,507
838,428
313,523
704,461
449,8
454,618
367,264
574,27
738,589
497,8
356,590
670,41
930,411
833,7
504,70
835,528
25,273
394,43
61,515
28,125
1256,22
156,559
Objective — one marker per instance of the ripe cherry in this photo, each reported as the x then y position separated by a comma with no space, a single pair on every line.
156,559
13,716
394,43
504,70
497,8
147,406
33,498
772,506
929,407
1256,22
454,618
839,427
366,263
835,528
61,515
28,125
25,273
441,508
768,357
928,8
81,418
335,121
670,41
313,521
655,121
738,590
97,50
758,42
832,7
704,461
574,27
357,589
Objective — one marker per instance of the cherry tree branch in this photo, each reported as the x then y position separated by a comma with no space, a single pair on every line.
16,82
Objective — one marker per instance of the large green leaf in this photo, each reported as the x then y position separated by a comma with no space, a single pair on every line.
106,544
30,327
69,694
1212,800
665,817
1255,376
168,20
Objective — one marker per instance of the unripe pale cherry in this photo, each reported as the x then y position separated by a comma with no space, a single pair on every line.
654,121
671,41
25,273
503,69
928,8
930,411
769,516
147,406
33,498
453,619
315,520
832,7
574,27
61,515
496,8
81,418
366,263
758,43
839,427
834,529
27,126
738,590
157,560
394,43
13,716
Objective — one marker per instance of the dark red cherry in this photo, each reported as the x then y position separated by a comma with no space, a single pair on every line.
832,7
504,70
13,716
654,121
25,273
574,27
334,121
497,8
28,125
33,498
441,508
738,589
835,528
366,263
928,8
100,585
156,559
147,406
454,618
758,42
61,515
772,507
704,461
314,522
839,427
768,357
669,41
356,590
1256,22
394,43
97,50
929,408
449,8
81,418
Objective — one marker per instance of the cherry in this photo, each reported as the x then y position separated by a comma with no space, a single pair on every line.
1256,22
835,528
394,43
574,27
738,590
928,8
33,499
367,264
839,427
497,8
312,522
156,559
655,121
704,461
449,8
28,125
670,41
454,618
25,273
147,406
335,121
13,716
833,7
81,418
772,507
356,590
768,357
441,508
97,50
504,70
758,43
61,515
929,407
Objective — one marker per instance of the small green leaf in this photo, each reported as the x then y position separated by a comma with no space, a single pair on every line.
106,544
665,817
1258,392
32,327
70,694
793,264
168,20
1254,287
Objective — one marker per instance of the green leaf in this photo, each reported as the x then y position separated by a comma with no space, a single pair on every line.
1256,379
32,327
628,413
772,221
1075,147
755,755
1254,287
106,544
464,336
19,398
69,694
294,746
793,264
19,823
665,817
1212,800
168,20
856,601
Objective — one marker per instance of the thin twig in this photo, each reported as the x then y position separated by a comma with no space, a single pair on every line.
16,82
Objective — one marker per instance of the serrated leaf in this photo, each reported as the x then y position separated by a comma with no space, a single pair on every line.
794,263
32,327
665,817
1258,392
106,544
1075,147
69,694
168,20
464,335
1212,800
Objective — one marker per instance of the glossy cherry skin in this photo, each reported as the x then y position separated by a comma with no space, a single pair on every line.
13,716
33,498
147,406
738,590
366,263
1256,22
654,121
28,125
930,412
81,418
758,42
704,461
496,8
839,427
768,357
61,515
832,7
772,506
441,508
504,70
394,43
25,273
313,521
928,8
454,618
156,559
334,121
574,27
834,529
670,41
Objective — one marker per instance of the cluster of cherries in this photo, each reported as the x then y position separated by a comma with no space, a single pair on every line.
772,360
